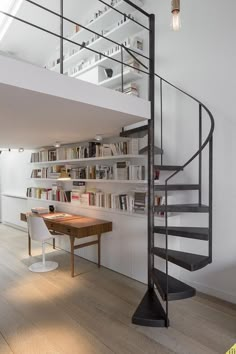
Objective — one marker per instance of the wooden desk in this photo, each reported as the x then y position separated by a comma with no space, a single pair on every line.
75,226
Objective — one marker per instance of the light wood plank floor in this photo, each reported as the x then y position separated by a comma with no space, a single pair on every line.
53,314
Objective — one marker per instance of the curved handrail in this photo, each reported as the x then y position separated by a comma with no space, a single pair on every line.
210,132
196,154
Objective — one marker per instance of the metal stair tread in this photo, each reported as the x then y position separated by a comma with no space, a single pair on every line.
198,233
180,187
135,132
177,290
187,208
168,168
189,261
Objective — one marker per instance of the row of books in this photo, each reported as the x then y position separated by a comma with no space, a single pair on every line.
131,201
119,171
103,200
122,170
58,195
52,172
89,150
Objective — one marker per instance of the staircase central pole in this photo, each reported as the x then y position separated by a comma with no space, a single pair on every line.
151,156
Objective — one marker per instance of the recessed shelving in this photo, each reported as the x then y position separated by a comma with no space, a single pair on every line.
129,76
120,181
106,62
89,159
119,33
104,21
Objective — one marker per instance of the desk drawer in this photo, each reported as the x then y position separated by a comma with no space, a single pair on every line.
67,230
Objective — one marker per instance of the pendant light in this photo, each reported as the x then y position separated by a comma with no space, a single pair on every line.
175,9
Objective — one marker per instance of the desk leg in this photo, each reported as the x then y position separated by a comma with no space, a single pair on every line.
54,243
99,250
72,243
29,244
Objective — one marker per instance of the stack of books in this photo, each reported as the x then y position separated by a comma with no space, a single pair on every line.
79,188
39,210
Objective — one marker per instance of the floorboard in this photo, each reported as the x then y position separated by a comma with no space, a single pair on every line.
52,313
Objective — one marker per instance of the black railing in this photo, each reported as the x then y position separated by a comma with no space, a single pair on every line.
132,52
202,145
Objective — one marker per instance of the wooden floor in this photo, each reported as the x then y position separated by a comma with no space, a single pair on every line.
52,313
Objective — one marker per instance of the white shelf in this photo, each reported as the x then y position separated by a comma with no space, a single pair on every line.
93,180
110,210
104,21
90,159
107,63
115,81
119,33
17,196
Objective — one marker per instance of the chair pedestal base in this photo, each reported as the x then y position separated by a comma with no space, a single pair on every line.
41,267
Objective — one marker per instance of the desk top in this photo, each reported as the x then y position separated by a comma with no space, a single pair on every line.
73,225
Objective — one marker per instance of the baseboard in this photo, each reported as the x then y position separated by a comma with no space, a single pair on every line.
211,291
24,229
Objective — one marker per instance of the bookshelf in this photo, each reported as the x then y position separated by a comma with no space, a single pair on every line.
80,62
103,21
110,181
120,177
89,159
115,81
106,62
119,33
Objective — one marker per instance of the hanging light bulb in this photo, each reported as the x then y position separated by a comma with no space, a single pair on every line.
175,9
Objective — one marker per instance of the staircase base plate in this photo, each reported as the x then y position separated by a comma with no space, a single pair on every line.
150,312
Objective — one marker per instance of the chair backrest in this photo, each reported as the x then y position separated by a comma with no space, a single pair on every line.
37,228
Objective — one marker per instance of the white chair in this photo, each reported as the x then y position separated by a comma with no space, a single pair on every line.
38,231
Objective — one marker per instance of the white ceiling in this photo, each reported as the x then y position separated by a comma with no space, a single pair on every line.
35,46
31,119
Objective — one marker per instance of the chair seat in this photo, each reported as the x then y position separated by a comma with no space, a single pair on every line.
39,267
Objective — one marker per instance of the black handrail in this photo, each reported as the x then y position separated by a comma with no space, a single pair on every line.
202,146
78,24
78,44
138,8
211,129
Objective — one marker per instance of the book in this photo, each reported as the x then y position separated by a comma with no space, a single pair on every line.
121,170
39,210
139,201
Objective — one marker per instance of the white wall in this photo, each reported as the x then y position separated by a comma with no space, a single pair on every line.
201,60
15,170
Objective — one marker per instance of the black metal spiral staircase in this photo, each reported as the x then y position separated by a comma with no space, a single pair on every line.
150,312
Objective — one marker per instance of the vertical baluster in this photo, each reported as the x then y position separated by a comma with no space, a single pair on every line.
210,195
62,35
161,108
200,157
167,256
122,68
151,160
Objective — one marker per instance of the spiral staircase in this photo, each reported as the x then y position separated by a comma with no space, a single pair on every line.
151,312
